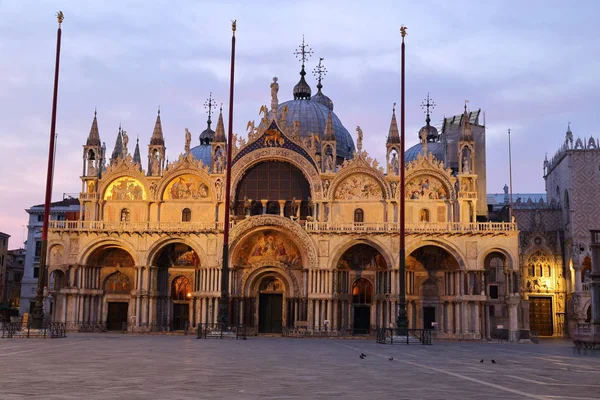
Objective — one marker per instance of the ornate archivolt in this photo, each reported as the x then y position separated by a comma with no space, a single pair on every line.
191,175
123,168
359,178
341,249
158,246
103,242
276,154
458,255
253,276
440,181
302,241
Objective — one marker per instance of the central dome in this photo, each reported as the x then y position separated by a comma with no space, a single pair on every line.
313,117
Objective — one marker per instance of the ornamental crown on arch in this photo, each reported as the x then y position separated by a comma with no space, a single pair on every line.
427,177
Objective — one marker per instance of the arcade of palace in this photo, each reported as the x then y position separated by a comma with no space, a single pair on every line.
314,230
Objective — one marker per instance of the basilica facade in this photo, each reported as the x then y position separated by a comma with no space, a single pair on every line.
314,240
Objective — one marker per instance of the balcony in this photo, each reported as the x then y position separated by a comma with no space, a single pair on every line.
102,226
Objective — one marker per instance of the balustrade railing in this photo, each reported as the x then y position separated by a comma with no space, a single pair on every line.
455,227
140,226
311,226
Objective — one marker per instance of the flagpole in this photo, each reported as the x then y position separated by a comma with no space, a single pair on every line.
510,207
401,320
223,314
38,311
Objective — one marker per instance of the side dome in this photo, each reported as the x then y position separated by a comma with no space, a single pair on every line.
436,148
313,117
323,100
203,153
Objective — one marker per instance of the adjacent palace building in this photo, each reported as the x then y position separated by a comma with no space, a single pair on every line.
314,237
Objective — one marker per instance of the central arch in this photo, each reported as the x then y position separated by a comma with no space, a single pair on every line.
430,274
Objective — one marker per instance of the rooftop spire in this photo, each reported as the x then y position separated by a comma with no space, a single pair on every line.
428,133
393,135
157,135
465,123
329,134
118,150
428,104
220,133
302,89
136,154
94,136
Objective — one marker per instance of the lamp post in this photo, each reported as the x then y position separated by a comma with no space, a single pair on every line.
38,310
401,320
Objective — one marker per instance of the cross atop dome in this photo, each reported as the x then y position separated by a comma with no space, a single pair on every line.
319,72
302,89
210,104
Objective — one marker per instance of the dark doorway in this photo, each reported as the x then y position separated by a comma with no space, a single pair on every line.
540,315
117,316
270,315
428,317
181,315
362,317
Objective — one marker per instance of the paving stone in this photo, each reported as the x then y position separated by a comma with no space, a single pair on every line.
114,366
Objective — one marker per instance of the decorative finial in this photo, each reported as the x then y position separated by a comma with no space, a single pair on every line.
234,25
304,52
95,111
319,72
466,101
60,17
210,104
159,110
428,105
569,126
403,32
394,108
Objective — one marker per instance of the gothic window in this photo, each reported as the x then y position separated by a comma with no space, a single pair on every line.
180,289
539,265
186,215
361,292
125,215
424,215
359,215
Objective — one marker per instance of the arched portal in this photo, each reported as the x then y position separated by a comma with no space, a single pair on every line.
431,272
362,281
268,183
177,264
110,269
270,304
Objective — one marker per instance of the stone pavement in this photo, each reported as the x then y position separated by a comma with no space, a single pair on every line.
114,366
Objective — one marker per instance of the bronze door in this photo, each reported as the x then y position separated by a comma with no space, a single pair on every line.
362,320
540,315
181,315
270,313
116,319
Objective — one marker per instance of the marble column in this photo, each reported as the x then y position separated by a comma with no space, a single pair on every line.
281,207
264,205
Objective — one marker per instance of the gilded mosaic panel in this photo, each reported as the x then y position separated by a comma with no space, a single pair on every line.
125,188
186,187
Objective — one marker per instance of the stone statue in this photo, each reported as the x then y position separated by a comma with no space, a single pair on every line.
153,189
91,170
325,186
274,90
393,186
295,208
311,206
394,166
359,139
296,130
125,142
155,167
329,163
219,189
188,140
466,167
247,206
91,187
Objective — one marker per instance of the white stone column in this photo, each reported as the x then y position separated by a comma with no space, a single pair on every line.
513,326
578,284
476,318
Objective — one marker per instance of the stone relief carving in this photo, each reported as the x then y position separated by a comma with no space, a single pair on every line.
360,186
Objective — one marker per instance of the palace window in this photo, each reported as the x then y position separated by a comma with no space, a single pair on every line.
186,215
125,215
359,215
